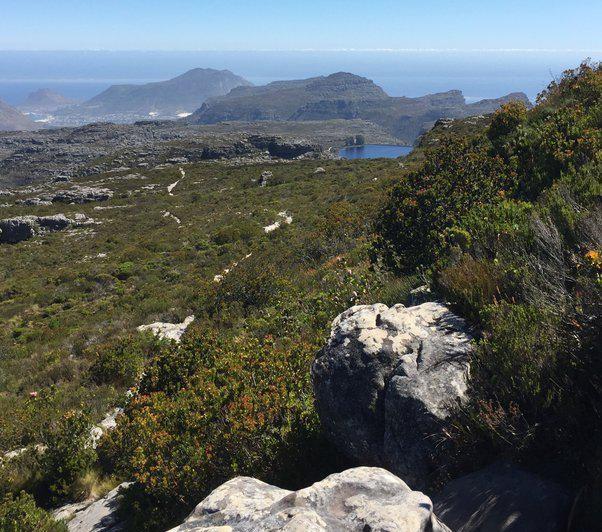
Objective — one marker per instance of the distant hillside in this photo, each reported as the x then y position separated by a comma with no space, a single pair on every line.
342,96
165,99
13,120
45,100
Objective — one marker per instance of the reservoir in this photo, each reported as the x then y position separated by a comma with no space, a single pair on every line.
374,151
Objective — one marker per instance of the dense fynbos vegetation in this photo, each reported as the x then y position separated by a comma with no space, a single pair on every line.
501,215
507,225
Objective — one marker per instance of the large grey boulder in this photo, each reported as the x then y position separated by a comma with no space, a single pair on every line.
503,498
360,499
388,379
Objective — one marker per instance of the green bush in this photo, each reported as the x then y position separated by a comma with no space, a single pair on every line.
120,362
20,514
519,254
222,408
68,455
455,177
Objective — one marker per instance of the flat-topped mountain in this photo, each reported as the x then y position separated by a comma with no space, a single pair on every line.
13,120
178,96
342,96
281,100
45,100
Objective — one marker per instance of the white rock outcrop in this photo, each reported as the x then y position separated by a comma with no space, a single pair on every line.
356,500
168,331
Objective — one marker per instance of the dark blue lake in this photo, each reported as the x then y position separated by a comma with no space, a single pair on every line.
374,151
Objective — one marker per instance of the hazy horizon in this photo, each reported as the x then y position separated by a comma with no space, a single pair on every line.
83,74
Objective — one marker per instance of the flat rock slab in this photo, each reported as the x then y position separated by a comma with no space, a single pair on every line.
99,516
503,498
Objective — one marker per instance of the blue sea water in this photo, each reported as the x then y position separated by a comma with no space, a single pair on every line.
81,75
374,151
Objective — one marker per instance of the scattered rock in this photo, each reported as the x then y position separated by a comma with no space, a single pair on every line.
220,277
320,170
284,218
108,423
57,222
503,498
167,214
11,455
361,499
168,331
387,380
420,295
81,194
263,180
36,202
14,230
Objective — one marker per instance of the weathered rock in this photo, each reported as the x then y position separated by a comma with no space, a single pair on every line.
56,222
168,331
360,499
14,230
503,498
82,195
387,380
36,202
319,170
99,516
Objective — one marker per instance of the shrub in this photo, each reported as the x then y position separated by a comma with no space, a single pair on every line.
225,408
120,362
241,231
125,270
506,121
455,177
520,257
20,514
69,454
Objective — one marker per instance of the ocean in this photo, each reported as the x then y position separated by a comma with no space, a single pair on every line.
479,74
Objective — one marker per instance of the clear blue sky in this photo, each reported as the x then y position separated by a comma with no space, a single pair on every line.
299,24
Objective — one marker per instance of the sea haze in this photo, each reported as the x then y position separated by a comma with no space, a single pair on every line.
488,74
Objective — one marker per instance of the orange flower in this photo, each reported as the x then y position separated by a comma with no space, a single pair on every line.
595,258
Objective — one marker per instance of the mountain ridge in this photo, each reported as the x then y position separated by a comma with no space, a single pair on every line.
169,98
342,96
